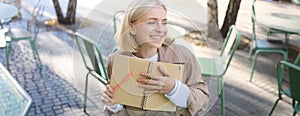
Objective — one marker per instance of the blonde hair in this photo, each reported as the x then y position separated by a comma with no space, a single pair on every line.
135,10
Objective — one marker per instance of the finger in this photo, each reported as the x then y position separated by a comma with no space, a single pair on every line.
108,87
109,94
150,77
147,86
163,71
151,91
147,75
150,81
105,99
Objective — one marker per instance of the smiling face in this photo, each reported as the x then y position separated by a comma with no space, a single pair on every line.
151,28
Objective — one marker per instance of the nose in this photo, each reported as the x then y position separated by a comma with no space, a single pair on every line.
160,27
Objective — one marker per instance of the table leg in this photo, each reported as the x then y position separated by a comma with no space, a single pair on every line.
287,42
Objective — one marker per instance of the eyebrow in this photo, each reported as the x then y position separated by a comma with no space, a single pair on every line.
157,19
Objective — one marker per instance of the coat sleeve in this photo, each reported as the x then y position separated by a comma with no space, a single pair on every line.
109,71
109,65
198,96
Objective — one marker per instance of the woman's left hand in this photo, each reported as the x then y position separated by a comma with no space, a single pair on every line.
157,84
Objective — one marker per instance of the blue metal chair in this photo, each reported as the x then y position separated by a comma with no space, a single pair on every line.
264,45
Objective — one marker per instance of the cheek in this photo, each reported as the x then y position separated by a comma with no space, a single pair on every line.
165,30
144,28
142,34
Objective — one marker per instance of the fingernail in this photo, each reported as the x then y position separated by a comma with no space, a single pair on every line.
146,92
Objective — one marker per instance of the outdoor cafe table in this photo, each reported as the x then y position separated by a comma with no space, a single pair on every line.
7,11
283,23
14,101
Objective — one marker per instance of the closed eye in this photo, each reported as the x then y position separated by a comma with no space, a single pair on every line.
164,23
151,22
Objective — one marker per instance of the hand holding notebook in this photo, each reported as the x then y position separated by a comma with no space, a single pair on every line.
126,70
163,84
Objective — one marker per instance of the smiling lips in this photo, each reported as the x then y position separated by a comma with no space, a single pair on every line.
157,38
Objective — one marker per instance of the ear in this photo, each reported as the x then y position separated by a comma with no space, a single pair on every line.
131,29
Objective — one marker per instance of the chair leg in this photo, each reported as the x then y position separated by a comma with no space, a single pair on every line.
253,66
85,92
250,51
285,56
295,107
287,42
222,97
35,53
219,86
274,106
7,52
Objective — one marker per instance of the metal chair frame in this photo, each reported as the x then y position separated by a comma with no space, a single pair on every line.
211,67
264,45
294,79
30,34
94,56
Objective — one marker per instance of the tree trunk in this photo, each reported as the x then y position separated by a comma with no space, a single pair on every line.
58,11
70,18
231,15
212,7
212,27
71,12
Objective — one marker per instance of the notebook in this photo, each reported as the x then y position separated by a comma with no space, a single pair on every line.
124,76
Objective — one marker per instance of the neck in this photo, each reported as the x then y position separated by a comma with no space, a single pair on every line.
145,53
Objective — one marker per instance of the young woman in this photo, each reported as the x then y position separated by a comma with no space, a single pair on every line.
143,35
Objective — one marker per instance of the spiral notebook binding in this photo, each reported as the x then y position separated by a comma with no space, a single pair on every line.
149,70
144,103
150,65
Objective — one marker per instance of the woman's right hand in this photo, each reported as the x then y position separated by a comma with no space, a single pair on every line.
108,96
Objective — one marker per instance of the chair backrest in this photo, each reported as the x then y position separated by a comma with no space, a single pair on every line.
253,8
90,52
296,61
116,15
294,79
33,24
253,18
230,44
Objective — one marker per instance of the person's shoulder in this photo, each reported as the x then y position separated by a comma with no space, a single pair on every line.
177,46
180,48
118,52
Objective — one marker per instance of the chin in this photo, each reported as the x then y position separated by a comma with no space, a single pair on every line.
157,45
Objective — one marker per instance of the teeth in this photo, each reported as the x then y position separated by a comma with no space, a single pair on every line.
157,37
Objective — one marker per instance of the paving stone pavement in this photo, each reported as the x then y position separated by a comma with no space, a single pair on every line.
57,89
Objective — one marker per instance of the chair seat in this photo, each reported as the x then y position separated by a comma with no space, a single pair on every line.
19,34
287,92
269,44
211,67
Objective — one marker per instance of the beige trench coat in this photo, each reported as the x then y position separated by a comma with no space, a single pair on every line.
198,95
